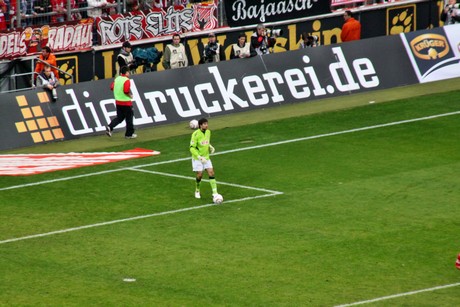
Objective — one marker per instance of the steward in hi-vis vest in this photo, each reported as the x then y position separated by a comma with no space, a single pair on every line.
175,55
242,49
121,88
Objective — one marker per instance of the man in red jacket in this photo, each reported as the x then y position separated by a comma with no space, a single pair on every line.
351,29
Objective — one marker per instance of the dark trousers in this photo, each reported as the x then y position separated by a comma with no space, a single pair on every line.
124,113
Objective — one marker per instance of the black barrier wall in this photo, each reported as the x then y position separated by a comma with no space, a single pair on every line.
379,21
207,90
83,109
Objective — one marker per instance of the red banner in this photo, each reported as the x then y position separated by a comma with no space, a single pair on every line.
78,35
155,22
66,37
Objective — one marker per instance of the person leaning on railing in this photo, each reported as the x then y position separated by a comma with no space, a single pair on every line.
46,58
48,81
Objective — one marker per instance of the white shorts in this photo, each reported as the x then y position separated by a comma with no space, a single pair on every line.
199,166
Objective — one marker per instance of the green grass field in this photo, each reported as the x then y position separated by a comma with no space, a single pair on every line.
322,208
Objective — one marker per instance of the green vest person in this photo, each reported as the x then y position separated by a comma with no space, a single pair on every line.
121,88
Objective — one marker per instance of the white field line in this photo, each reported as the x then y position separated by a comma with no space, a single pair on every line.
59,179
230,201
399,295
240,149
206,180
269,193
129,219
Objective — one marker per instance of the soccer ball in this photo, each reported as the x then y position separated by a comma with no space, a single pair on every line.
217,199
193,124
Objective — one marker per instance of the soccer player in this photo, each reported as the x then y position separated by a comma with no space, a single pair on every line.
200,147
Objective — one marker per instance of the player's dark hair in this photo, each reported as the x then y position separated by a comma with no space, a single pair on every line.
124,70
202,121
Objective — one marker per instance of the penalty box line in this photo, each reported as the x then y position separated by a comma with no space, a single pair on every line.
271,192
140,217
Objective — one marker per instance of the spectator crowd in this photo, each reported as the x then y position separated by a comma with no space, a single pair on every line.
49,12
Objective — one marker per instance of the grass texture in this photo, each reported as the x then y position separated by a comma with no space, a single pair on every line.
320,209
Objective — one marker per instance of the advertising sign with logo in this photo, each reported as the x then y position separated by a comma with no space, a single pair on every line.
402,19
27,119
434,53
247,12
208,90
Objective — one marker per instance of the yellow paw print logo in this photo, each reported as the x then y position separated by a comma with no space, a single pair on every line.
402,23
65,78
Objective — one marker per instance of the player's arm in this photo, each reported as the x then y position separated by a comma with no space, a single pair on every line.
193,148
127,88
